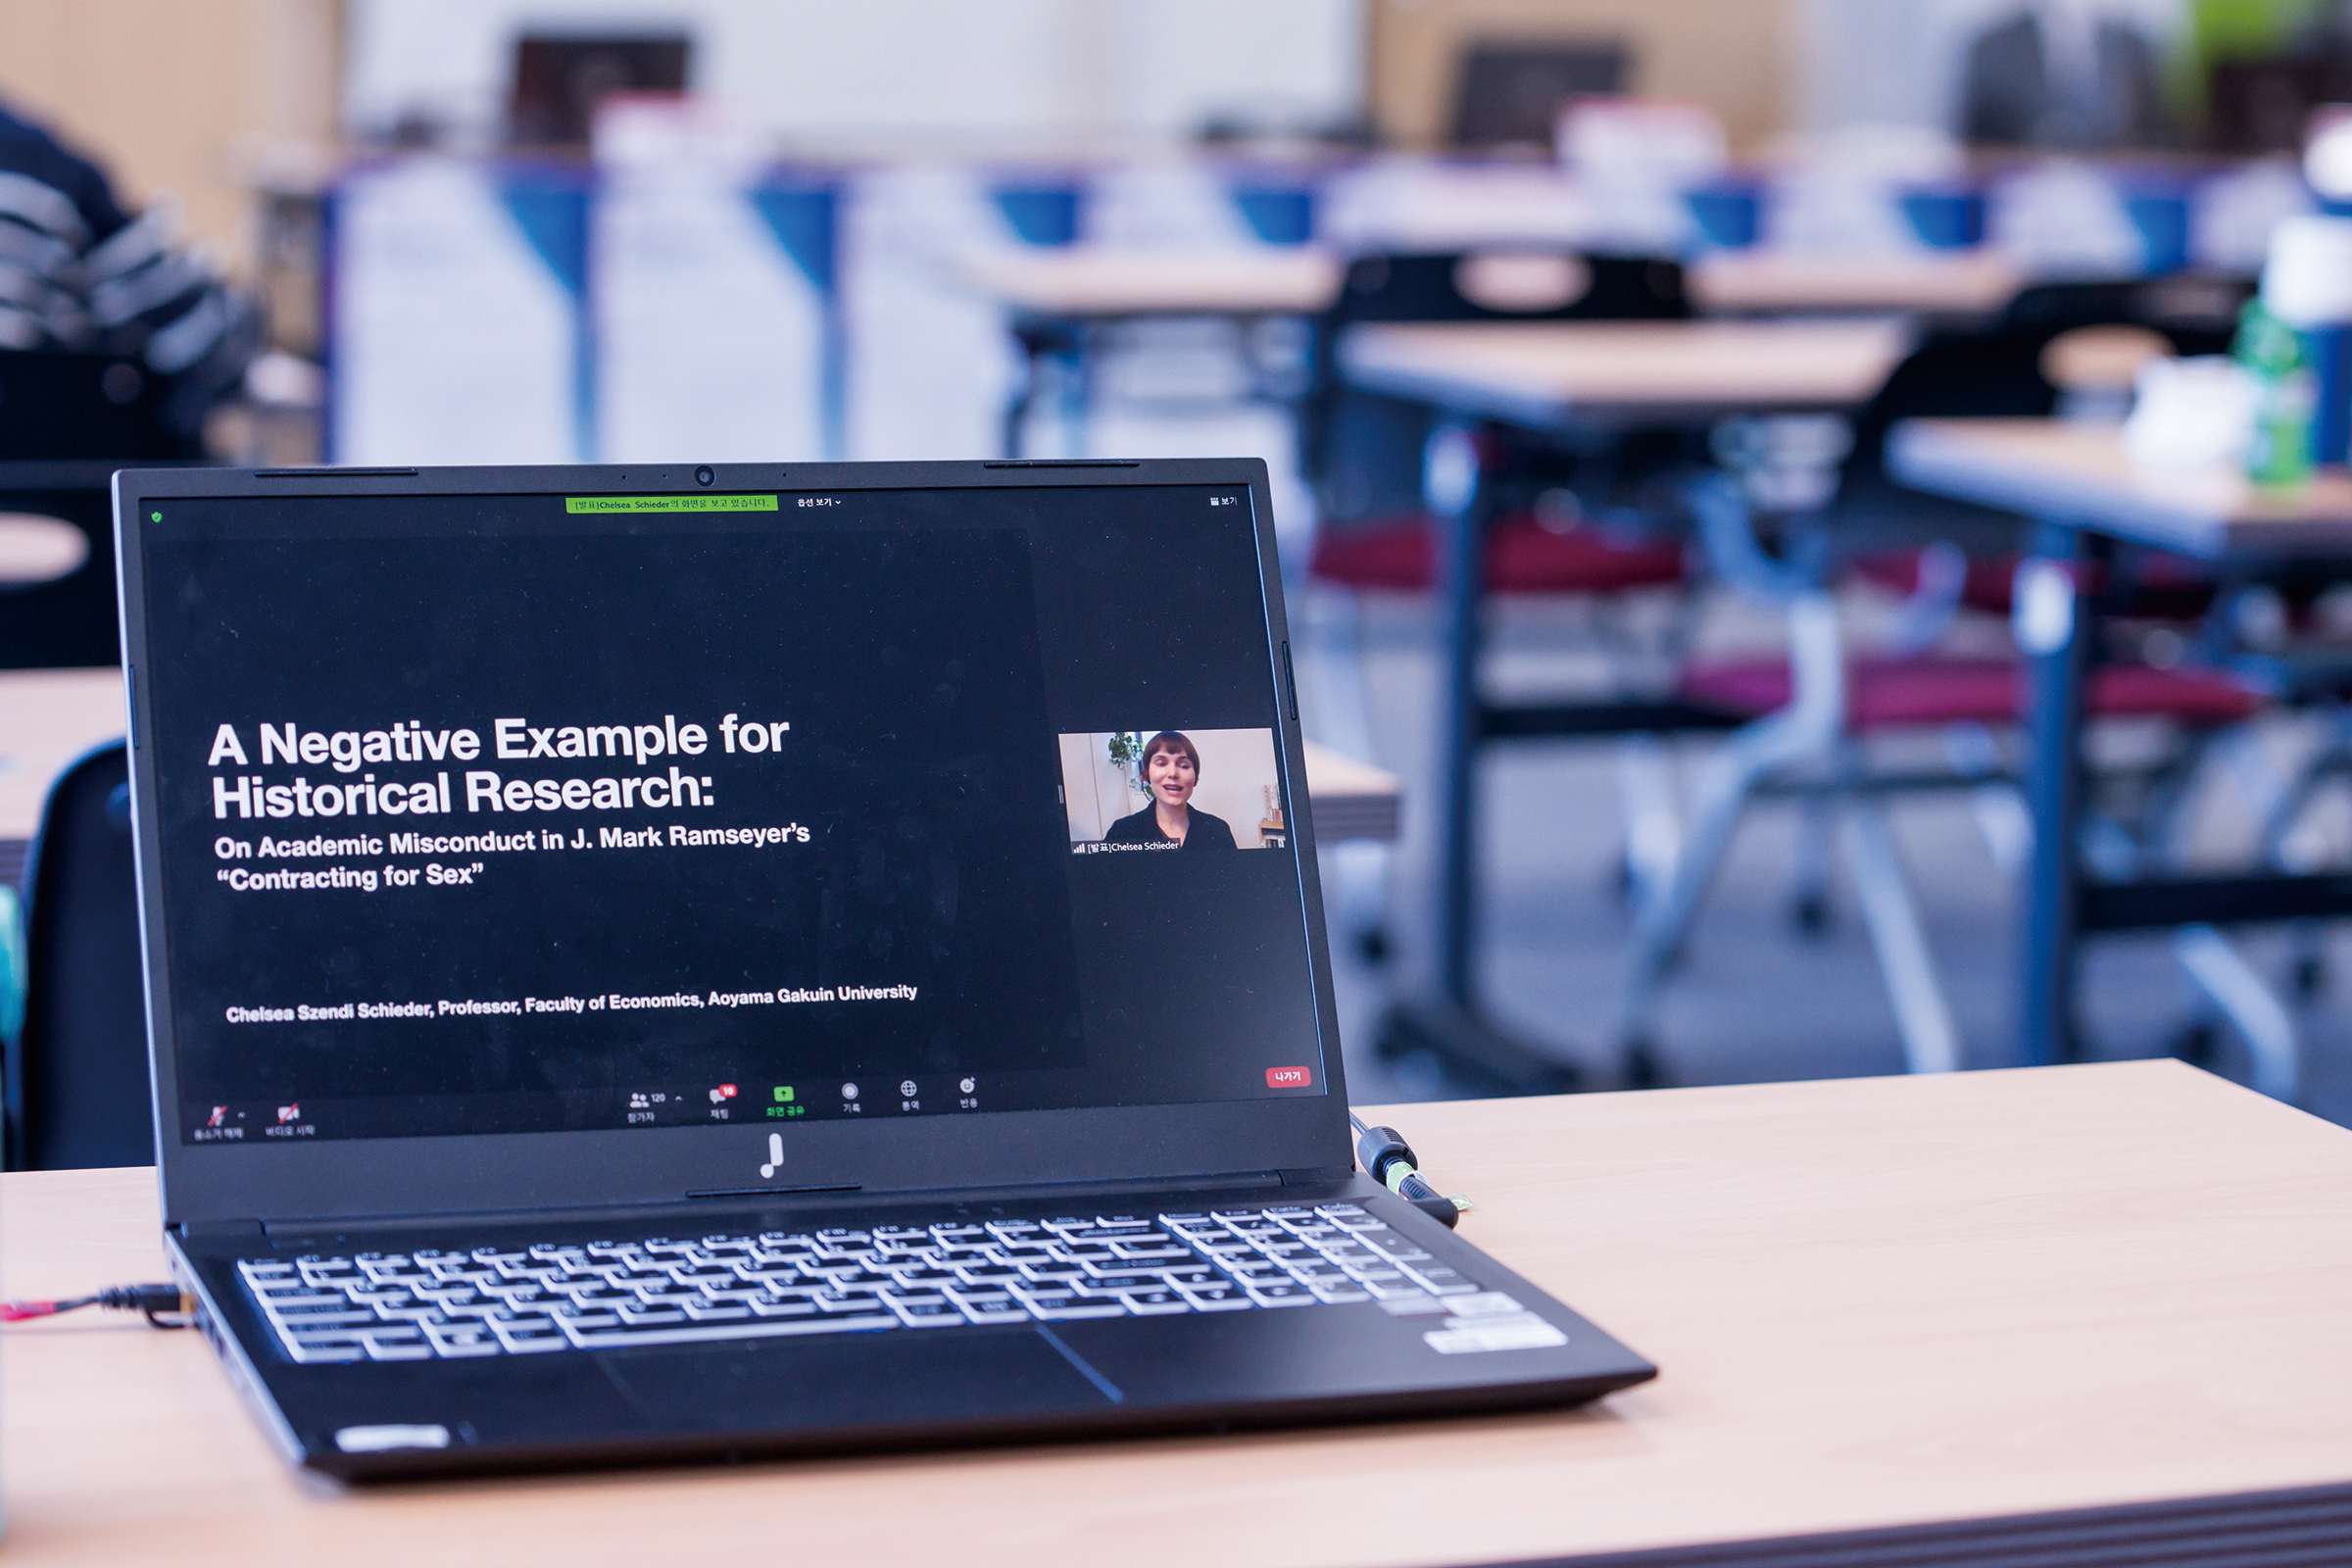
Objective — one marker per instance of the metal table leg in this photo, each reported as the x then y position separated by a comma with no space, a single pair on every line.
1042,342
1459,492
1032,347
1455,483
2056,628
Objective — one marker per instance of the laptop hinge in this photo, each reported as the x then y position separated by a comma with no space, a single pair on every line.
221,1230
1038,1192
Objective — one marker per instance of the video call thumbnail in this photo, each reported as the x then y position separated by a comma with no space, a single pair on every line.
1143,790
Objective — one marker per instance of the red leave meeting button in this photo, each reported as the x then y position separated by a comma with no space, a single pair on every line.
1290,1077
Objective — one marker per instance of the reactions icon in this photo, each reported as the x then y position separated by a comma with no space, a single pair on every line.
967,1086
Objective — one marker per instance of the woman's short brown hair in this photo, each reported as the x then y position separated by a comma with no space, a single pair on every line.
1171,742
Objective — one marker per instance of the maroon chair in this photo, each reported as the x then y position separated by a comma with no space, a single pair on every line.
1807,712
1364,453
1933,690
1524,555
2165,587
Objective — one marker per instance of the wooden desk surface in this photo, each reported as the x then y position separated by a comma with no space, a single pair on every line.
1088,281
1351,800
1759,280
2079,473
1874,1302
1550,374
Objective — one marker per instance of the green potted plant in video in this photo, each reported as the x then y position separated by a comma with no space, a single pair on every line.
1126,750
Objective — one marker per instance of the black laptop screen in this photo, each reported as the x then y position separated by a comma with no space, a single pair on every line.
521,813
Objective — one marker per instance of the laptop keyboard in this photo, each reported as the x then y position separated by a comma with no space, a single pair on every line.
494,1301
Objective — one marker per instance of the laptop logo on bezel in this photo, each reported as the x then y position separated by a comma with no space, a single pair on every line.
776,1154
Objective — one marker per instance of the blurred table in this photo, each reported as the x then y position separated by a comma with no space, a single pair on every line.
1758,281
1550,374
2092,1315
1104,284
1059,302
36,548
1491,383
1351,800
2081,474
2087,491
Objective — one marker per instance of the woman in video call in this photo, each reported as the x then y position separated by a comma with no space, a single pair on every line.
1171,771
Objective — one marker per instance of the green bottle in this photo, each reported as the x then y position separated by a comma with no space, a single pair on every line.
2286,396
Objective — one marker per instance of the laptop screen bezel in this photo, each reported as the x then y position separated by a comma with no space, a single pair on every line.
596,1169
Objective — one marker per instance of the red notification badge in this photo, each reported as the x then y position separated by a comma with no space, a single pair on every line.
1290,1078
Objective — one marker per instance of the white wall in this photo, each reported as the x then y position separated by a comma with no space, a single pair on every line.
811,68
1235,766
710,340
453,342
1094,791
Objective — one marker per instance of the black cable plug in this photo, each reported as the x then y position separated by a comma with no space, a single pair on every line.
1390,1161
158,1301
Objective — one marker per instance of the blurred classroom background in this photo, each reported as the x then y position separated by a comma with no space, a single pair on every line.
514,231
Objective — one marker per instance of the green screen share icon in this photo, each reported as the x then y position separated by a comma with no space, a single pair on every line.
783,1094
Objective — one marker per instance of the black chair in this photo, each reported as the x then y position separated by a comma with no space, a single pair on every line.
68,419
1360,452
2265,106
2000,369
1806,736
58,403
558,81
1510,95
2197,311
78,1093
1887,534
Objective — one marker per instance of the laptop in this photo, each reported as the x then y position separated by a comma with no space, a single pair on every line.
652,963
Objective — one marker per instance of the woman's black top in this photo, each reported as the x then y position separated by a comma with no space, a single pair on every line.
1207,832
